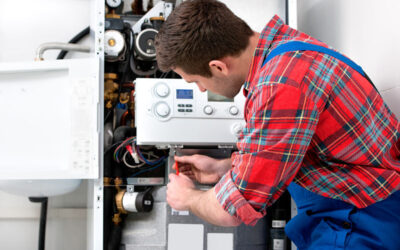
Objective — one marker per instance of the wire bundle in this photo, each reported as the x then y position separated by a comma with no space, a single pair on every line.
121,147
141,159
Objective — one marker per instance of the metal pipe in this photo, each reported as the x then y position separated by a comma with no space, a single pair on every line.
62,46
75,40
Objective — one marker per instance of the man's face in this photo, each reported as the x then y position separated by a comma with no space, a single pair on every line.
225,86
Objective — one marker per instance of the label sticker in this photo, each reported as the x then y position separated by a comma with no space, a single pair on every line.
176,212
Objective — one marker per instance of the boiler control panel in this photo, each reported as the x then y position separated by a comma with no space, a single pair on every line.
174,112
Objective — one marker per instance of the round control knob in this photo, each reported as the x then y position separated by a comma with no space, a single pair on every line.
162,90
162,109
233,110
236,129
208,110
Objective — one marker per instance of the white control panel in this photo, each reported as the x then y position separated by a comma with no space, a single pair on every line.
174,112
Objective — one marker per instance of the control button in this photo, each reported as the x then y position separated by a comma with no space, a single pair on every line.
189,110
208,110
236,129
181,110
162,109
162,90
189,105
181,105
233,110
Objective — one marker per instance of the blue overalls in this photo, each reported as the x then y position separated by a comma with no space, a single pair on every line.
323,223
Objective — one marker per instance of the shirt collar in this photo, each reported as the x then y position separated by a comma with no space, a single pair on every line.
263,47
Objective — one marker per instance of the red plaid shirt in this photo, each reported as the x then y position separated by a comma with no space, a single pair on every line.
313,120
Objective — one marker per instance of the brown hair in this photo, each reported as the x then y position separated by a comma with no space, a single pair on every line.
197,32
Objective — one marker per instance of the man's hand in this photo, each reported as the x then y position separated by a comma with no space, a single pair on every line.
180,190
182,195
204,169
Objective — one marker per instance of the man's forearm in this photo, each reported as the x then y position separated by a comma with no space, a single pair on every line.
205,205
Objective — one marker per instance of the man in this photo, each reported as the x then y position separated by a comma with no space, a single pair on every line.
314,125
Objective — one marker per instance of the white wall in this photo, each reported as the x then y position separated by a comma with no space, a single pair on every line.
365,30
257,13
24,25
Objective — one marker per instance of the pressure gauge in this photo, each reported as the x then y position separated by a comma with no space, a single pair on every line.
114,3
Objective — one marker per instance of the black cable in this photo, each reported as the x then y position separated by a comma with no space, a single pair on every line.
108,113
75,39
112,146
43,218
287,12
130,48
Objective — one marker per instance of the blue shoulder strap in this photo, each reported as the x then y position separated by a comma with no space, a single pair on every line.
296,45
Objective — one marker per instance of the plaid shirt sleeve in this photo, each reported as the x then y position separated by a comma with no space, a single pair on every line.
281,121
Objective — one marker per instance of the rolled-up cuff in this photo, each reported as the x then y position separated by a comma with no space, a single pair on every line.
232,201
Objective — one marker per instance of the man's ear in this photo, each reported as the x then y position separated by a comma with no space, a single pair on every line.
218,67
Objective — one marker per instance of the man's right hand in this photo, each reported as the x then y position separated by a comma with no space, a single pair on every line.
203,169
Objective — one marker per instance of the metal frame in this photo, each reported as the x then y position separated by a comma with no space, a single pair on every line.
95,186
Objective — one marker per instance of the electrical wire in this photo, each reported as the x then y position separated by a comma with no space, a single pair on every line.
141,158
144,160
129,140
111,147
151,163
130,165
164,74
148,169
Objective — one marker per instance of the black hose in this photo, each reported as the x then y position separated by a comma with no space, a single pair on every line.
43,218
115,237
123,132
109,195
75,39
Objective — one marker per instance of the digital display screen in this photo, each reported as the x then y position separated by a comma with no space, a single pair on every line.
184,94
217,98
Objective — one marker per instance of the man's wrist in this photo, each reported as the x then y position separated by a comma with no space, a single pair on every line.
193,198
205,205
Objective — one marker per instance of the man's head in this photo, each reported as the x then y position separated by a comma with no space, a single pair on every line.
197,37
